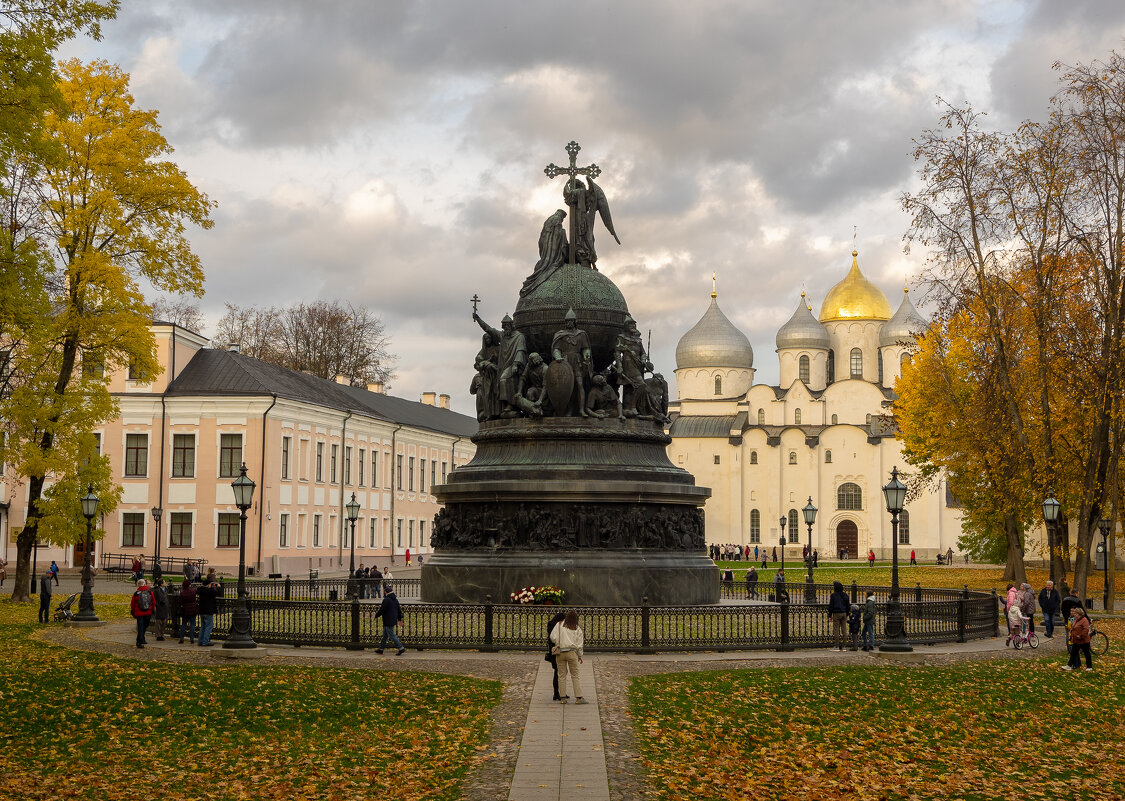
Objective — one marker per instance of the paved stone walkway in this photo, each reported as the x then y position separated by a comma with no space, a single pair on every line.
561,755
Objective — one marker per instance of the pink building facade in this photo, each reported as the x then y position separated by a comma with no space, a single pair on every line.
307,443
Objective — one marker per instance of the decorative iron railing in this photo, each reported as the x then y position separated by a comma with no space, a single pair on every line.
940,616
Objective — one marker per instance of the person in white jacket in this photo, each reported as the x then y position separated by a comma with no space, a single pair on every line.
568,639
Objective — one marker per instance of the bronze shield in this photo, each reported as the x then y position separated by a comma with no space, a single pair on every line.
559,385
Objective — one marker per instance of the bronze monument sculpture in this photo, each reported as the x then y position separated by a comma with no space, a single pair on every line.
571,484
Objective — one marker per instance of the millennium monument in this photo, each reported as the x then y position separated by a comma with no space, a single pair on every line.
571,484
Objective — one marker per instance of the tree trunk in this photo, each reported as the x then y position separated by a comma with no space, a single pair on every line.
1014,570
26,542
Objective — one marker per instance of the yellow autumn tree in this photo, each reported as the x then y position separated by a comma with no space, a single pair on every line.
111,211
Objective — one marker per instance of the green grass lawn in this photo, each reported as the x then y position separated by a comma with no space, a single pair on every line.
967,731
93,726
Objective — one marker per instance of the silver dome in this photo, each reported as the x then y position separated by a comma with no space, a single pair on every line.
714,342
803,330
904,326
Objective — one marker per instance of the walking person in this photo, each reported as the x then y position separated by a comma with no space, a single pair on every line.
554,660
815,558
913,557
189,610
208,605
569,642
54,568
869,622
781,595
141,607
1079,640
752,582
1069,602
871,558
838,613
160,612
774,554
1049,601
45,590
391,612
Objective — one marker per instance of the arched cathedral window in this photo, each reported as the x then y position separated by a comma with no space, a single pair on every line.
849,497
803,367
857,363
761,417
753,457
718,385
828,457
792,457
797,417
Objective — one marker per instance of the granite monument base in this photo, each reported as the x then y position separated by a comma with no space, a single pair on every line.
606,578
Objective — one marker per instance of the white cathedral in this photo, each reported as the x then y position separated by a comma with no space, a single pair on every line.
826,432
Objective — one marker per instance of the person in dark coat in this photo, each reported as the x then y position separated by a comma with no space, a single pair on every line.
391,613
838,612
189,610
208,605
752,582
160,612
45,590
551,657
376,582
1049,601
855,617
869,622
780,593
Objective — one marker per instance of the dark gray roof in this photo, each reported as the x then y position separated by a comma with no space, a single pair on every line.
221,372
702,425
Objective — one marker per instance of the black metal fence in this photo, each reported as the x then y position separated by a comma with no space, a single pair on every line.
939,616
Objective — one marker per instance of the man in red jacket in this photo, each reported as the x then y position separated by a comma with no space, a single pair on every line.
142,606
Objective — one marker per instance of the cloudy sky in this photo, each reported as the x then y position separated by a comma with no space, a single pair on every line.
391,153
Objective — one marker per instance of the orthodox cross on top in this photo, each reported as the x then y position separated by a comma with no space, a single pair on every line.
475,301
553,170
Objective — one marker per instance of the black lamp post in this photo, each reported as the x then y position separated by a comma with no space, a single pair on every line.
1103,527
895,495
781,522
1050,515
157,571
86,602
353,514
240,637
810,517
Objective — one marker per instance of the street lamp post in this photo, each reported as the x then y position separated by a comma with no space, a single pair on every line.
353,513
781,522
1103,527
1050,515
239,636
157,571
810,517
86,602
895,494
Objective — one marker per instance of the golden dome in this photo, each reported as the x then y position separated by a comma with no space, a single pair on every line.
855,298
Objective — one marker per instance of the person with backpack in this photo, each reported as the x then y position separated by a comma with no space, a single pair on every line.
189,610
141,606
55,571
391,613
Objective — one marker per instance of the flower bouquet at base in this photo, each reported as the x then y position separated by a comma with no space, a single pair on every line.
548,596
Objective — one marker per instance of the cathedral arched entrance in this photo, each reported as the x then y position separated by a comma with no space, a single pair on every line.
847,537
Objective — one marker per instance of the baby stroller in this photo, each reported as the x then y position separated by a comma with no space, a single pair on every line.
62,611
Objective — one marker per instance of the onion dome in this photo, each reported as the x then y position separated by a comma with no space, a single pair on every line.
855,298
803,330
906,324
714,342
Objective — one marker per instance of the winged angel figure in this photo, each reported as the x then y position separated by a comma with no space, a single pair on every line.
584,204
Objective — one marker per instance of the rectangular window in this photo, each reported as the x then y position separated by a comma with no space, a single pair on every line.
230,455
433,473
443,472
410,475
320,461
398,471
332,465
133,530
360,463
283,531
136,454
410,534
179,530
286,446
183,456
421,533
228,530
132,372
399,525
755,526
422,477
374,468
348,465
372,536
316,531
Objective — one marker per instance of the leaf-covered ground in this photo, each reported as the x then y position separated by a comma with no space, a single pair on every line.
93,726
996,729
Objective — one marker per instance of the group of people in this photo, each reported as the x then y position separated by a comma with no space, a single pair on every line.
372,581
1019,609
850,621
